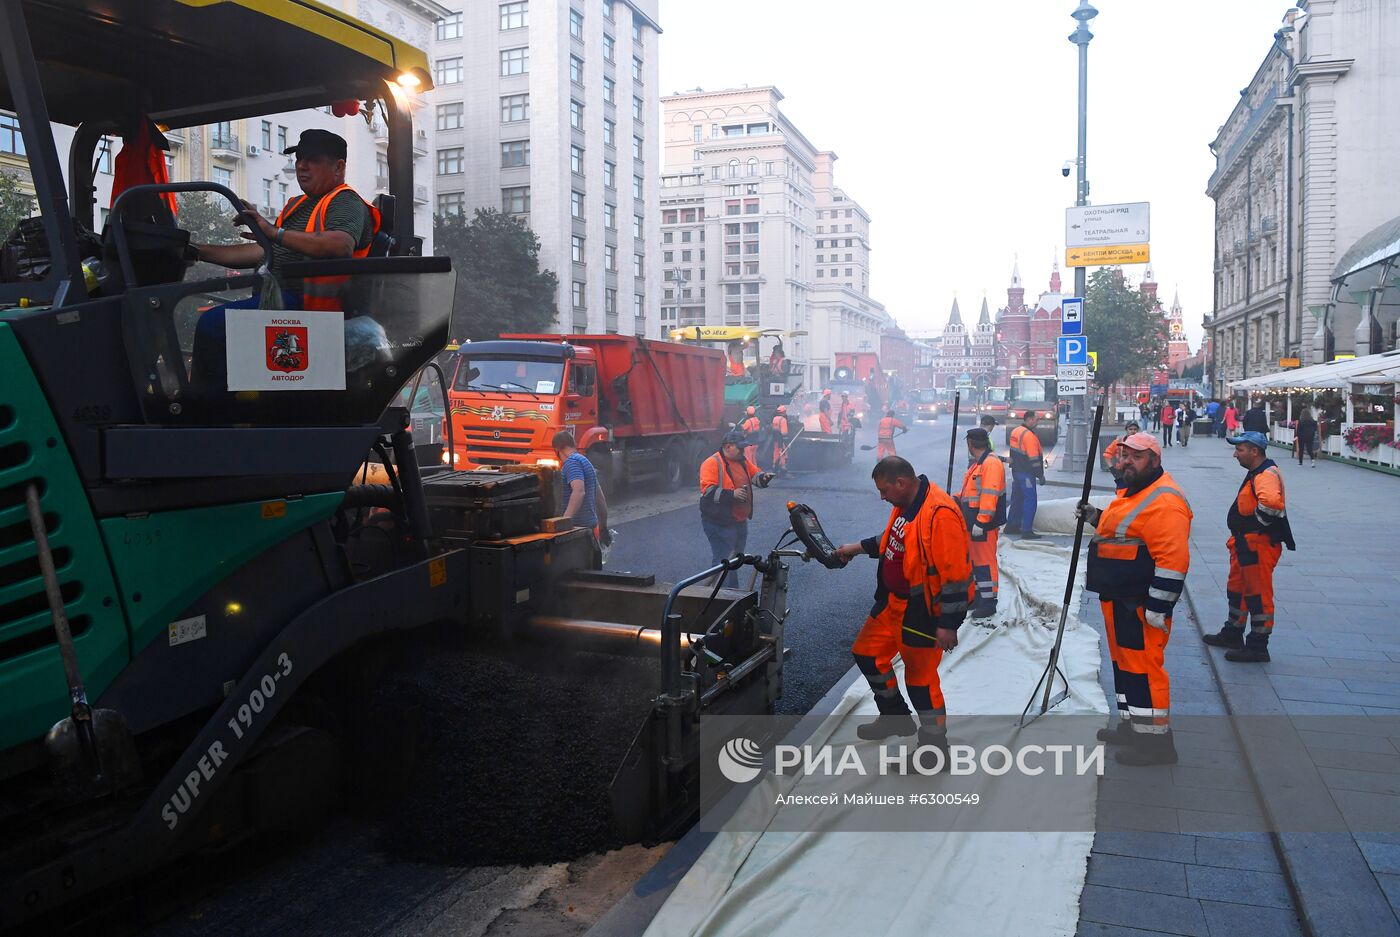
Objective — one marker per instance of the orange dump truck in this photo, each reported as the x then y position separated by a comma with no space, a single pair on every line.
641,410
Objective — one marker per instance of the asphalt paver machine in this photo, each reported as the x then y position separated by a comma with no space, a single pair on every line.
197,595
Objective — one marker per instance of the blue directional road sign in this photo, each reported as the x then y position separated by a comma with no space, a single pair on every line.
1071,315
1072,349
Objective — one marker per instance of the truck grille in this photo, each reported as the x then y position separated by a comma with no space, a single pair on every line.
501,445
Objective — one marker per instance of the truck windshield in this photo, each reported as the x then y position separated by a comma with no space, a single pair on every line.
928,395
526,375
998,394
1030,390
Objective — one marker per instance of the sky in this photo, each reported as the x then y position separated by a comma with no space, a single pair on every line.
951,121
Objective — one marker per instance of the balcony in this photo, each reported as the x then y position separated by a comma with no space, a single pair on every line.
420,194
225,146
420,143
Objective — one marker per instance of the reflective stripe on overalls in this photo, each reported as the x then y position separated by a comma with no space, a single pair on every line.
1160,574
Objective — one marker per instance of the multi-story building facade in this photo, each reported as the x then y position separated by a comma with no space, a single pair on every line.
546,110
246,155
755,232
1302,174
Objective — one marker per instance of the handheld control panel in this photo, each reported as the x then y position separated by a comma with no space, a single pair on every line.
809,530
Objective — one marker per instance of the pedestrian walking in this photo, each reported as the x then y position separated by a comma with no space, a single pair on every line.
1213,414
1305,438
1256,419
1168,419
727,481
1156,415
779,429
1259,529
586,504
1113,454
1185,416
1231,426
983,500
1138,560
1027,471
751,426
923,586
886,432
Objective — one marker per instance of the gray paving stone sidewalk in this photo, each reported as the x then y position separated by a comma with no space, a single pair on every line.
1336,653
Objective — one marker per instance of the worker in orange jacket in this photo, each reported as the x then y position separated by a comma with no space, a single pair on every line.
1259,529
824,411
1114,451
923,589
983,500
844,413
884,435
779,426
727,483
1027,471
1137,565
751,426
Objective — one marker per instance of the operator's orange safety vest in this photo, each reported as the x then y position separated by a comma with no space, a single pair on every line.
780,425
1026,455
750,425
1141,548
717,476
323,293
984,485
888,424
1260,506
937,559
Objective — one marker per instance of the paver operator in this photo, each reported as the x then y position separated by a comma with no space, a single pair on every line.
923,587
1027,471
1137,564
1259,529
983,499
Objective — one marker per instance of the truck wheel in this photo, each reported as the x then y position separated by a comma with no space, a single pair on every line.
673,475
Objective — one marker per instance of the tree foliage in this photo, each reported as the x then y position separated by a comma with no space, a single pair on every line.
500,286
1123,326
16,204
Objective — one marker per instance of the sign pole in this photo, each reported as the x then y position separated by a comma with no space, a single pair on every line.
1076,445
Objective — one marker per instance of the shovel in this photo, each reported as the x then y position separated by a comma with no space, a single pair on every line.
91,751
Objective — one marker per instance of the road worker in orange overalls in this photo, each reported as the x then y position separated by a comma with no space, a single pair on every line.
779,426
751,426
844,413
922,592
884,435
824,411
983,500
1259,529
1137,564
1027,471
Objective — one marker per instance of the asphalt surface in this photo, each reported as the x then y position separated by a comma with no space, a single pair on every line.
506,827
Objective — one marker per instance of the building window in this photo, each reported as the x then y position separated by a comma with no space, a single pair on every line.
610,258
221,136
576,115
11,140
610,216
609,174
282,192
513,61
578,295
686,257
636,147
267,135
576,24
104,156
637,230
450,26
608,9
515,200
576,69
451,203
450,161
609,91
447,71
636,70
223,177
449,116
609,132
515,107
636,29
637,187
698,131
576,159
636,108
610,302
751,227
609,45
753,166
639,304
515,153
576,204
514,15
751,206
576,248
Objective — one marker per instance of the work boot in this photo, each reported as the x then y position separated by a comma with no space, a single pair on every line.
938,740
887,725
1030,535
1148,748
1227,636
1120,734
1255,650
985,608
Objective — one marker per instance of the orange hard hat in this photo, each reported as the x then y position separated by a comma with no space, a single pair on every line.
782,408
827,392
752,411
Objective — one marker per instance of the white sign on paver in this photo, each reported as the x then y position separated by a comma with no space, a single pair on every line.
1106,225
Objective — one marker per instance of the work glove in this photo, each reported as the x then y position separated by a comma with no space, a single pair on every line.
1088,512
978,533
605,537
764,479
1156,619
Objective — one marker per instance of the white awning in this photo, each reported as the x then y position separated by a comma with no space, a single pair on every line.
1333,375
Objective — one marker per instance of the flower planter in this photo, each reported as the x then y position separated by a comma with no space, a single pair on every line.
1283,434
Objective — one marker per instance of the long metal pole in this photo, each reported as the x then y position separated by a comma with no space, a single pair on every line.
1076,443
953,446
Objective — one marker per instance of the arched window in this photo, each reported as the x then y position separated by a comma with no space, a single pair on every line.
733,169
753,165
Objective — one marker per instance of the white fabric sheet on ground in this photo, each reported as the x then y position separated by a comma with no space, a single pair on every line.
1057,517
978,884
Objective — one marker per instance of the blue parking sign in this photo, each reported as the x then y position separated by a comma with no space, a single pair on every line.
1072,349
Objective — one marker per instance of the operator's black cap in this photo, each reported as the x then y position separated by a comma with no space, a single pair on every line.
316,142
977,435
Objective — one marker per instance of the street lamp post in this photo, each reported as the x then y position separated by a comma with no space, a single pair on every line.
1077,441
